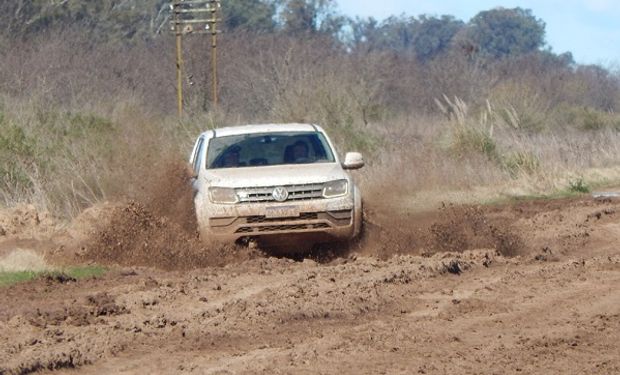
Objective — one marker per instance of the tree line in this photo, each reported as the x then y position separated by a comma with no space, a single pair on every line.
492,34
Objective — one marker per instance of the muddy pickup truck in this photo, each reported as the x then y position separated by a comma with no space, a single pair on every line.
275,184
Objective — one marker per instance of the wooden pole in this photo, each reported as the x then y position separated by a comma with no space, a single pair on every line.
179,63
179,74
214,53
214,69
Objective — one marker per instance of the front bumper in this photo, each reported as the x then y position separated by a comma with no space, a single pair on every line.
331,218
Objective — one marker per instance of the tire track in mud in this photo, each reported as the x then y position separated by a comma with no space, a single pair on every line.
268,314
143,310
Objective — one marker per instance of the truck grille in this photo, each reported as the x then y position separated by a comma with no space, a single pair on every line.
282,227
263,219
295,193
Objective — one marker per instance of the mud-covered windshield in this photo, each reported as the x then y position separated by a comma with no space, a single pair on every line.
251,150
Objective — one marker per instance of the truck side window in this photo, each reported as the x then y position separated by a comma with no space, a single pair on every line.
198,156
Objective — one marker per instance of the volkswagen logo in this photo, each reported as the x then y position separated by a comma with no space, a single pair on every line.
280,194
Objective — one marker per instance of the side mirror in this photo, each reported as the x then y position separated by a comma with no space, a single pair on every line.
353,160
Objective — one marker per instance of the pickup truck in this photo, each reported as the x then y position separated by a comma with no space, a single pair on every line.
275,184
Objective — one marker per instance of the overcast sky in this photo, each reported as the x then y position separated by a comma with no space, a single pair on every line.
590,29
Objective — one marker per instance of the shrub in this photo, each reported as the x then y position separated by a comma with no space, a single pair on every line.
591,119
578,186
17,153
467,140
520,106
521,163
465,135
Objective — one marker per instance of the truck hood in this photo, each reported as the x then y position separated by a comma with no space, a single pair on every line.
275,175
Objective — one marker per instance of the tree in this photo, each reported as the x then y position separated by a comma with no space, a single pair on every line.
503,32
425,37
106,19
301,16
362,31
433,35
394,33
255,15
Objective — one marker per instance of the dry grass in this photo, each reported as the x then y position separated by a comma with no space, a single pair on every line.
468,159
81,123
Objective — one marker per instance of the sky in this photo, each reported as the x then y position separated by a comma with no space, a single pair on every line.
589,29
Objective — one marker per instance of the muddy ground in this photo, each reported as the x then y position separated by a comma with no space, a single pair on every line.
519,288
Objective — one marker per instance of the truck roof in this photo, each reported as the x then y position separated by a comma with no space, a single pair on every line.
263,128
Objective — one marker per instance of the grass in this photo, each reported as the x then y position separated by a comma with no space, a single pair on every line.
560,194
76,140
578,186
78,272
10,278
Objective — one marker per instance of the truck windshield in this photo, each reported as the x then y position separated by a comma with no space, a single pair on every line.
252,150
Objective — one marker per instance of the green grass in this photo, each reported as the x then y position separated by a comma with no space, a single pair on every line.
578,186
79,272
84,272
10,278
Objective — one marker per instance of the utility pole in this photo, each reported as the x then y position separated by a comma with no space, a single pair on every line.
179,55
195,17
215,5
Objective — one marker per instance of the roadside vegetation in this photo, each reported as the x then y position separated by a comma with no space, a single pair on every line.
8,278
443,109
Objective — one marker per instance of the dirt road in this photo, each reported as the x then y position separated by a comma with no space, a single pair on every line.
523,288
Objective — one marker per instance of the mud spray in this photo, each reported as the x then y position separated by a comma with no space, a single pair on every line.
450,228
157,228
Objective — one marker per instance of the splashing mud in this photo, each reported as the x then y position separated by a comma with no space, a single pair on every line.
159,230
449,229
22,260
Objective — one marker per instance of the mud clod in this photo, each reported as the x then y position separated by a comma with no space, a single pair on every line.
104,305
60,278
454,267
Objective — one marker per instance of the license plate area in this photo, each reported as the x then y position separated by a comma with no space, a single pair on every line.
281,212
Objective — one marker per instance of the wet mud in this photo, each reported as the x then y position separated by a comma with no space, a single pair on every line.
521,287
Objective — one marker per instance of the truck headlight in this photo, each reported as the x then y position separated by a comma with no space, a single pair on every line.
335,188
223,195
